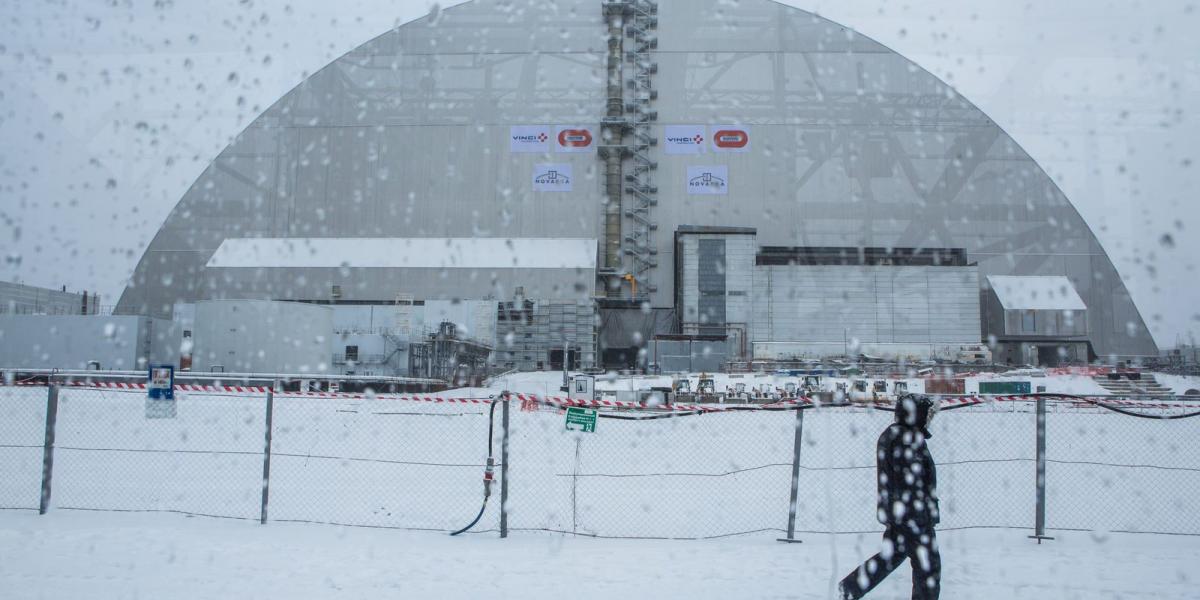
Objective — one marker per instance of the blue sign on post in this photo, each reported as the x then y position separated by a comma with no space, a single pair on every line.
160,392
161,385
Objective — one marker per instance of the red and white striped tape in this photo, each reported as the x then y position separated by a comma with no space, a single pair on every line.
363,396
566,402
184,387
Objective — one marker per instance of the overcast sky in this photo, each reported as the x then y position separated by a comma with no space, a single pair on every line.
110,109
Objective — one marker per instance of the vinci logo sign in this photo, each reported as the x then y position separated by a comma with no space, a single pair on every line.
708,180
573,139
555,177
529,138
731,138
684,139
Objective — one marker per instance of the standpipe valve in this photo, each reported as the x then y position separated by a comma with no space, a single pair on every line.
489,473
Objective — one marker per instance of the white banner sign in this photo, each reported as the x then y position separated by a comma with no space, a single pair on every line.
552,177
573,138
684,139
529,138
708,180
730,138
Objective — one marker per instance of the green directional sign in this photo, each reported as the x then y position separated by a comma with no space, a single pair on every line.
581,419
1005,388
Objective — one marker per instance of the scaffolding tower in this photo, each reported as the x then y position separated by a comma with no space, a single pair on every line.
628,138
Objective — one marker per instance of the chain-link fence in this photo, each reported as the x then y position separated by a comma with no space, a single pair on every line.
383,461
706,475
379,462
1113,472
22,438
727,473
207,460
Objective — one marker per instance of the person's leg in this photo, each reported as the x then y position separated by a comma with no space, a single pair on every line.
876,569
926,567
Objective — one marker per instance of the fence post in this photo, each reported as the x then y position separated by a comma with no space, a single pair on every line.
266,481
48,448
504,468
1039,519
791,528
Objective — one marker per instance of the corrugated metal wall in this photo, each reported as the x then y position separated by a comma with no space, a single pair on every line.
716,279
689,356
875,304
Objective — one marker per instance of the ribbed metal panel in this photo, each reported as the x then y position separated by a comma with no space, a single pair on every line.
887,305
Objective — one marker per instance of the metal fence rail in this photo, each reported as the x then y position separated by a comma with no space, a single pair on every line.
383,461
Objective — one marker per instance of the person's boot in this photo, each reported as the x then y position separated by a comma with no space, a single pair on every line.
843,593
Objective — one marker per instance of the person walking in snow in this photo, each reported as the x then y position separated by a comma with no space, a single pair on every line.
907,505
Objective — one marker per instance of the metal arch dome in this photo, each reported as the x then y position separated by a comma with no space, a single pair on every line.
854,145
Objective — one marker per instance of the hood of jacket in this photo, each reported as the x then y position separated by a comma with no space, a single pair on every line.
915,411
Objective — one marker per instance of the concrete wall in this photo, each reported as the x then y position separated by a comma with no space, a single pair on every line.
71,341
255,336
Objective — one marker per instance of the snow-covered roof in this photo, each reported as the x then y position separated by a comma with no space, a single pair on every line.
1036,292
410,253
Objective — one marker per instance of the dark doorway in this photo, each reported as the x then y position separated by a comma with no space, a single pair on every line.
556,360
1049,356
620,358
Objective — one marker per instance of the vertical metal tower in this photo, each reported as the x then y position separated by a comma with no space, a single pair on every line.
628,137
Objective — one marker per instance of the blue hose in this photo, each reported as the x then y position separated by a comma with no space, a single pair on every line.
487,474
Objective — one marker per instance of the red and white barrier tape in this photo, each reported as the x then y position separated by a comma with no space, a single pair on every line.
566,402
363,396
183,387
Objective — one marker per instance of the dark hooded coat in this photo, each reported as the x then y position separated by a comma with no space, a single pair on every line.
907,475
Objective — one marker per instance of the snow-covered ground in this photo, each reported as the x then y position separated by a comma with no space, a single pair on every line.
1179,384
107,556
387,462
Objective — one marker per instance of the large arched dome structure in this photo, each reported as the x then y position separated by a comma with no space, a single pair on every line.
409,136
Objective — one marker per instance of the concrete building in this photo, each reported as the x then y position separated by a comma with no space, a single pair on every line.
123,342
258,336
560,147
1036,320
20,299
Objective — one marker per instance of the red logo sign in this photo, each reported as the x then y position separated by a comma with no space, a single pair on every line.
731,138
575,138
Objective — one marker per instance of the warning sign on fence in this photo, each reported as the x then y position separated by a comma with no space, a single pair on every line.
581,419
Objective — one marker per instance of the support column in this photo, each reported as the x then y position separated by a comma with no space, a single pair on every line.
792,503
1039,518
48,447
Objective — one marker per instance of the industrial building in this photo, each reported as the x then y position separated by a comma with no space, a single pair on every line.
595,175
20,299
1035,320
